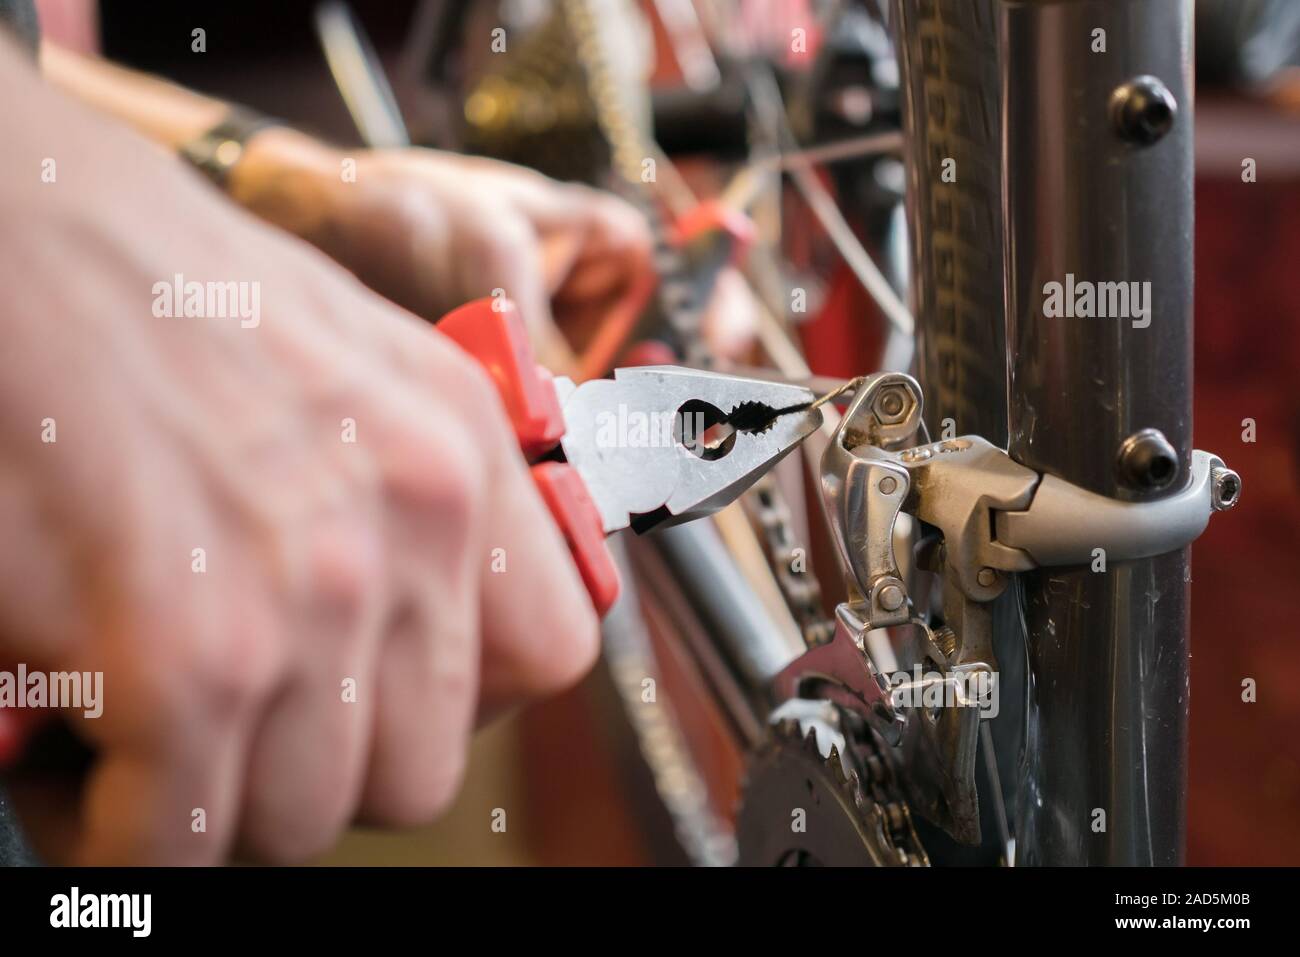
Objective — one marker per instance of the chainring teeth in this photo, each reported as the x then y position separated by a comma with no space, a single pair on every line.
849,820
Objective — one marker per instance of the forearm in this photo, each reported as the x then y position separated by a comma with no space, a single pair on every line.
282,174
162,111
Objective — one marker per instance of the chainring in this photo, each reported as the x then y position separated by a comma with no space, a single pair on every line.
815,798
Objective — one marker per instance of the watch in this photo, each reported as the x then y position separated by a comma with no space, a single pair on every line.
215,152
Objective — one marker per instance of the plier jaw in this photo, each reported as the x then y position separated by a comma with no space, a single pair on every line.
653,445
661,445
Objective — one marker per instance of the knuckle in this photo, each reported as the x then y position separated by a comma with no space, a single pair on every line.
345,568
412,215
440,472
236,666
502,233
466,389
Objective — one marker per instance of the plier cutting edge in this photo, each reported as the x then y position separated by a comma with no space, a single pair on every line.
654,445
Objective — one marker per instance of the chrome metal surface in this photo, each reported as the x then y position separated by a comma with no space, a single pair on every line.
755,648
1226,487
841,671
958,486
863,492
635,440
1107,703
1066,525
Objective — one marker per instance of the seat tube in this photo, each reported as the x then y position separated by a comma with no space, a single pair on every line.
1097,104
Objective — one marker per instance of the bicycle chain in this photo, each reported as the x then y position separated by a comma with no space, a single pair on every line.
682,311
789,560
879,780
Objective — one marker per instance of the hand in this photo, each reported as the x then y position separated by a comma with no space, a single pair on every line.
326,564
432,230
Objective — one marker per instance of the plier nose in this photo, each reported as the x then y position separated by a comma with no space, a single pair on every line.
653,445
663,445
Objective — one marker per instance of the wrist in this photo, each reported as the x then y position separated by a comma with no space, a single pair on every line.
287,178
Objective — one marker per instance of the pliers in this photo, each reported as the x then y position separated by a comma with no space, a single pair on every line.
655,445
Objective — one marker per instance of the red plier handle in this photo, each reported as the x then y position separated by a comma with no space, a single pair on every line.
493,333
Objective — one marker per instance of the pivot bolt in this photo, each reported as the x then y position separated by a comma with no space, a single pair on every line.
986,577
891,598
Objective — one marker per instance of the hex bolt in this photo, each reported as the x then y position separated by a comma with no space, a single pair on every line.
1143,110
1225,488
891,598
891,405
1147,461
986,577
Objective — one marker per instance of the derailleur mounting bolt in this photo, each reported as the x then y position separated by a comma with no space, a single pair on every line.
1225,488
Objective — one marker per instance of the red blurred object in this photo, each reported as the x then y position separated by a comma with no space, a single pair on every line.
493,333
616,327
1244,762
651,352
714,216
709,221
16,726
566,496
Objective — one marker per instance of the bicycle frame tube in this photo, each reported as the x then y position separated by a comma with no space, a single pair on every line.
1103,774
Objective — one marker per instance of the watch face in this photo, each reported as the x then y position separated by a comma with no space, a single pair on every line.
227,153
217,151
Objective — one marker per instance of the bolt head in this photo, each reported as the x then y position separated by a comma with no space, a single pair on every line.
1143,110
1225,488
1147,461
986,577
892,405
891,598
